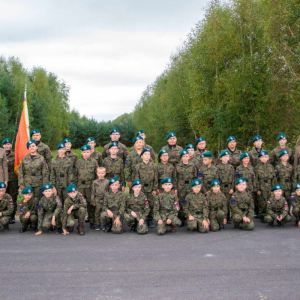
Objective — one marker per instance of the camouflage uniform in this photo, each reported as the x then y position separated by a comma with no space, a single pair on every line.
195,205
284,177
166,207
6,210
164,171
207,175
249,173
33,172
44,150
194,161
73,156
277,208
197,155
12,184
217,205
152,153
265,175
115,202
234,157
133,160
141,207
114,168
147,173
254,160
242,206
85,174
275,160
122,153
29,206
3,166
99,189
174,154
295,202
78,211
47,208
97,157
296,175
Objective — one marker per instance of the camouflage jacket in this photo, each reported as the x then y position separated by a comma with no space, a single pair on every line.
97,157
276,207
115,202
207,175
242,204
249,173
44,150
275,160
197,155
150,148
139,205
29,206
226,175
33,171
73,156
295,200
133,160
296,175
12,176
284,175
254,160
147,173
85,173
114,167
62,172
3,165
216,202
164,171
234,157
123,152
174,154
6,206
184,175
196,205
166,206
99,188
265,175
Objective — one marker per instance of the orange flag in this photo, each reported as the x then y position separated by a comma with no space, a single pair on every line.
22,135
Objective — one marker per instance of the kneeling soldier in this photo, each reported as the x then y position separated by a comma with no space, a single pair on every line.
28,209
242,206
295,201
137,209
277,208
6,207
74,208
166,208
113,208
196,209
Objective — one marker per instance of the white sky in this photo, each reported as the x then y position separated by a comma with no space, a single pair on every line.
106,51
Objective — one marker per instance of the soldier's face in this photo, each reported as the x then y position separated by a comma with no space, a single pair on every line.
115,136
191,152
201,145
167,186
7,146
101,173
86,154
298,192
92,144
146,156
207,161
143,135
72,194
232,144
139,144
185,158
284,158
172,140
282,142
277,194
225,159
61,151
48,193
27,196
246,160
115,186
164,157
68,146
2,192
113,150
216,189
37,137
196,189
258,144
241,187
137,188
32,148
264,159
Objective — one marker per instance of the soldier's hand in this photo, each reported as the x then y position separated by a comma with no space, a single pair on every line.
205,224
0,214
160,222
109,213
27,215
191,218
65,232
53,221
225,221
117,222
70,210
258,193
169,221
176,192
246,220
39,232
141,222
22,187
279,218
157,191
54,191
208,192
129,183
299,224
231,191
133,214
154,193
208,221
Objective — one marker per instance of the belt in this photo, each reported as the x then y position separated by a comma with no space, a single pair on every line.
215,209
33,174
136,209
146,184
187,181
243,209
266,180
62,175
226,185
83,182
287,180
198,212
168,210
208,182
113,208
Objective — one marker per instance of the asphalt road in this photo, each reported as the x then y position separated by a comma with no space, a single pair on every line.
230,264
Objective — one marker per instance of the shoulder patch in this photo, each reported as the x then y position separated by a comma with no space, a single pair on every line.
39,207
269,202
293,199
57,200
177,206
185,201
232,200
236,175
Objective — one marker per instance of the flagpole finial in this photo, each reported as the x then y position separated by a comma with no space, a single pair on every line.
25,91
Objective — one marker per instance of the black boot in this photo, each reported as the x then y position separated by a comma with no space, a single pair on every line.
271,224
12,219
107,228
23,230
296,223
87,220
133,228
279,224
55,229
92,226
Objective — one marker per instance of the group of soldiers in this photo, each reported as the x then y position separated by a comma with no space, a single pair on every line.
187,185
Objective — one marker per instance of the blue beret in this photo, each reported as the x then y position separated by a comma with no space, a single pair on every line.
2,185
207,154
6,141
137,138
167,180
34,131
240,180
47,187
200,139
113,144
214,182
89,139
243,155
256,138
71,188
231,138
171,134
141,131
144,150
196,182
281,136
85,147
61,145
161,152
276,187
66,140
113,180
262,153
183,152
30,142
223,153
283,152
297,186
27,190
189,146
115,130
136,182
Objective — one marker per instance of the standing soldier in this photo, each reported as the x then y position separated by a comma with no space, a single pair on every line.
282,140
296,175
12,184
115,136
94,153
3,167
193,160
6,207
73,156
233,152
295,201
141,133
173,149
200,145
257,141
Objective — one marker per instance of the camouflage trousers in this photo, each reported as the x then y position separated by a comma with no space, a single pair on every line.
4,221
131,221
151,204
32,221
98,211
37,192
216,219
270,219
287,195
237,220
62,194
196,224
46,222
181,196
78,213
255,200
86,193
106,220
262,203
161,229
296,213
12,189
225,190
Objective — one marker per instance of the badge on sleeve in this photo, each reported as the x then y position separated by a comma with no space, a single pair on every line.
237,175
276,173
268,202
57,200
39,207
232,200
83,199
177,206
185,201
200,173
286,206
293,199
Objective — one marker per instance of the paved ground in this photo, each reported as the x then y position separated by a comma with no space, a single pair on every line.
230,264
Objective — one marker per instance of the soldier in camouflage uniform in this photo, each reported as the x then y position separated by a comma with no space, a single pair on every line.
49,209
146,172
296,175
173,149
6,207
242,206
233,152
217,205
164,168
284,175
99,189
166,208
115,136
257,141
282,140
28,210
265,176
193,160
277,208
85,174
196,208
33,170
73,156
12,184
208,173
74,208
114,165
295,202
113,208
142,134
96,155
43,149
200,145
137,209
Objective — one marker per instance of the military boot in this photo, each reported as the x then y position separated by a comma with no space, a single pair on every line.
92,226
173,228
81,228
70,229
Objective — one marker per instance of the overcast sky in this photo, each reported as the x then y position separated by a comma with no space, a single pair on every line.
106,51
